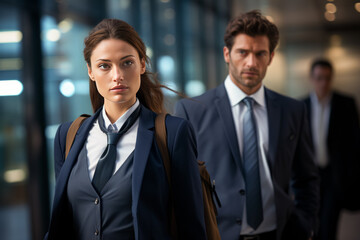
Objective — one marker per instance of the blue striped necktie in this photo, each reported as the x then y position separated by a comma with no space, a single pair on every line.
254,209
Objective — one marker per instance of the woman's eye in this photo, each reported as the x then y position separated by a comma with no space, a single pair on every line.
128,63
103,66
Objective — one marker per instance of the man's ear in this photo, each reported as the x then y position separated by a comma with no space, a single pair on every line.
143,66
271,57
226,54
91,76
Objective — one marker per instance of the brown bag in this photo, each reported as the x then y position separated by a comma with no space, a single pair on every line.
208,189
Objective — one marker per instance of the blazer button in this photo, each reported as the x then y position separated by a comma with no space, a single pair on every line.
239,221
96,232
242,192
96,201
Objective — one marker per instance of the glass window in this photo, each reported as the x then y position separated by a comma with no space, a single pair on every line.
65,76
14,209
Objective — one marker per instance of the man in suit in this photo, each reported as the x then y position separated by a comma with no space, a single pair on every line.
256,143
335,132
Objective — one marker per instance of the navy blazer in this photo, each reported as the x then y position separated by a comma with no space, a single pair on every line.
150,192
290,160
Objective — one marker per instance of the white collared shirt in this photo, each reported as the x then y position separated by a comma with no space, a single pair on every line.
236,95
320,115
97,140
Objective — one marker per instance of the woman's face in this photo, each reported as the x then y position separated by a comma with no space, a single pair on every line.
116,69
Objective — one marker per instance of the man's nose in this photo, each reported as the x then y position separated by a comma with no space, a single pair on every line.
251,60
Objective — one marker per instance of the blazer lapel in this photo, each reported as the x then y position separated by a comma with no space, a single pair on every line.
274,119
308,108
145,138
224,110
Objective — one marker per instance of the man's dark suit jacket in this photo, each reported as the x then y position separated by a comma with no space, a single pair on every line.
290,160
343,144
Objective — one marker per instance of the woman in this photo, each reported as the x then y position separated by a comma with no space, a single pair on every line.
131,200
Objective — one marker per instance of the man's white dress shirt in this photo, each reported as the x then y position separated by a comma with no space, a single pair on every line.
236,95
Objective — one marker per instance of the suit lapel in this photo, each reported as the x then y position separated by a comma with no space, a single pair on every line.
274,119
308,108
145,138
79,141
223,108
332,117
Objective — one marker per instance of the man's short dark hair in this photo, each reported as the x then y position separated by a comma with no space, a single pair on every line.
253,24
322,62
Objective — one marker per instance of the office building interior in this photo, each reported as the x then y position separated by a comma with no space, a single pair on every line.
44,81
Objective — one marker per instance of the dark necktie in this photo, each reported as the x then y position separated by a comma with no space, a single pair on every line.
254,208
106,165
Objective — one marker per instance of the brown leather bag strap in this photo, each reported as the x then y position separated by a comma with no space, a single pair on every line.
161,139
70,136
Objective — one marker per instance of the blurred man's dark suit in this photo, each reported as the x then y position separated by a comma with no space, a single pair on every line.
340,178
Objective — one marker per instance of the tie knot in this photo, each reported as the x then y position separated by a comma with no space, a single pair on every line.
112,138
248,101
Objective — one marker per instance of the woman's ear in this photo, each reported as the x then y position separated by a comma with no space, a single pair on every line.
143,66
91,76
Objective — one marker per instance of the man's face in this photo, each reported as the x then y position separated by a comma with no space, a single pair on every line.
248,61
321,80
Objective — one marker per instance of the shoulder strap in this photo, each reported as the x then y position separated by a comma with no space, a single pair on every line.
70,136
161,139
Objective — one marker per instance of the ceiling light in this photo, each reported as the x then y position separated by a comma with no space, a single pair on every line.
330,7
329,16
357,6
10,36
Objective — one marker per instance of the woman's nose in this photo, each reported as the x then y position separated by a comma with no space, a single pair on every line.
117,74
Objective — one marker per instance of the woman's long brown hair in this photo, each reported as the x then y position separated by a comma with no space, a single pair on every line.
149,94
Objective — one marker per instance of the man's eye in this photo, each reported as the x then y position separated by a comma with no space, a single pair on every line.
262,54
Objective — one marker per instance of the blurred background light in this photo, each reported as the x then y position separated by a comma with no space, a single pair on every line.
357,6
15,175
149,52
67,88
329,16
166,65
194,88
10,36
330,7
53,35
169,39
169,13
66,25
10,87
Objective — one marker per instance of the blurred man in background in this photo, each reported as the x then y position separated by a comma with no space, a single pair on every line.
335,133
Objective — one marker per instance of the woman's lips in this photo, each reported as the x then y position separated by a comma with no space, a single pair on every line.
119,88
